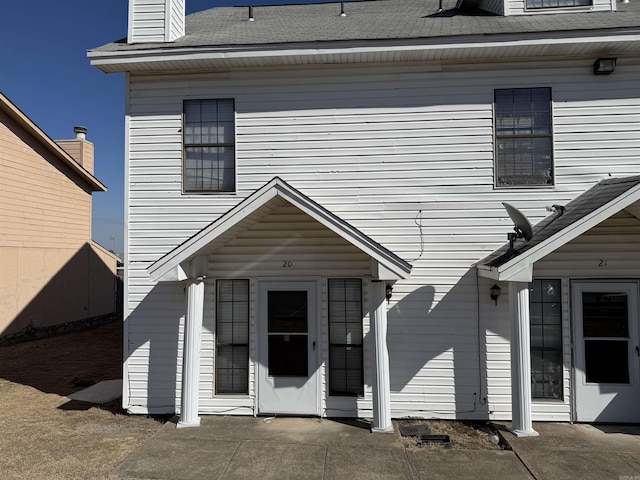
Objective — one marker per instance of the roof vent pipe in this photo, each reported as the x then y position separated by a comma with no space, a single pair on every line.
250,19
81,132
440,9
342,14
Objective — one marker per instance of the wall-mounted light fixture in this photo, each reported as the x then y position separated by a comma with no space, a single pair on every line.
495,293
387,292
604,66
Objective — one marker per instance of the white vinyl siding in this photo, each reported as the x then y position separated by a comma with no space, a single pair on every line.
405,155
175,22
288,242
156,21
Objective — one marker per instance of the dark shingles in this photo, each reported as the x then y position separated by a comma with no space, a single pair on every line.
373,20
591,200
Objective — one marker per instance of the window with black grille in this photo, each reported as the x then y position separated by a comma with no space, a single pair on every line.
523,137
209,145
345,337
545,312
232,337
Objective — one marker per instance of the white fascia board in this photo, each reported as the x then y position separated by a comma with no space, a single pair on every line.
513,270
523,273
382,273
162,269
486,271
469,43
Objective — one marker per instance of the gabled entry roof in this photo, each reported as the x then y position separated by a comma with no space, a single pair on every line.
600,202
182,262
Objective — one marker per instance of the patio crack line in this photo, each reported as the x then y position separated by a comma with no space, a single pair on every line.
621,457
226,467
324,465
412,467
524,464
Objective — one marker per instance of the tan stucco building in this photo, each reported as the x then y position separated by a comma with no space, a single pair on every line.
52,272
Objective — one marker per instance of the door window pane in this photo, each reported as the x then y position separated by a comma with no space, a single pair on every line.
605,324
287,328
287,311
288,356
605,314
606,361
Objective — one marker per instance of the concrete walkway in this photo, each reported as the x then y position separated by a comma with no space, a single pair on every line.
304,448
580,451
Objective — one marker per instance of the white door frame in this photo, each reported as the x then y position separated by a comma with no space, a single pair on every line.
603,394
298,401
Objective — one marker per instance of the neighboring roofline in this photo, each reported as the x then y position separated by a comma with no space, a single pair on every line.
473,45
25,122
169,266
106,251
520,268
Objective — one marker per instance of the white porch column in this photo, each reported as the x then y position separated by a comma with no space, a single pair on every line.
521,423
382,385
191,354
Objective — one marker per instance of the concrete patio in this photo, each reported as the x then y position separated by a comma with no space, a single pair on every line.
313,448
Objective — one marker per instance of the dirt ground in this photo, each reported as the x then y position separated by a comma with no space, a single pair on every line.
463,435
44,435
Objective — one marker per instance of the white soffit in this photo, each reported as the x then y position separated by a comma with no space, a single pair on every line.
250,211
472,47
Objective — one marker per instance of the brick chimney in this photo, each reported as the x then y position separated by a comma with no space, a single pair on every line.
155,21
79,148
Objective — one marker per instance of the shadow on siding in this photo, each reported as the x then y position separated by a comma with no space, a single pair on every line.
153,335
445,335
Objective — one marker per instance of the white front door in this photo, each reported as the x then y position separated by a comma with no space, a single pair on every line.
607,351
287,367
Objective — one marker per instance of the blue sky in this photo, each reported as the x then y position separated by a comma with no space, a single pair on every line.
46,73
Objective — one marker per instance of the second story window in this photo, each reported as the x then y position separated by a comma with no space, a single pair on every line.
209,146
523,140
535,4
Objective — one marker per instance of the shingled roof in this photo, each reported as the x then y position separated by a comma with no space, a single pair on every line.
372,20
576,211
